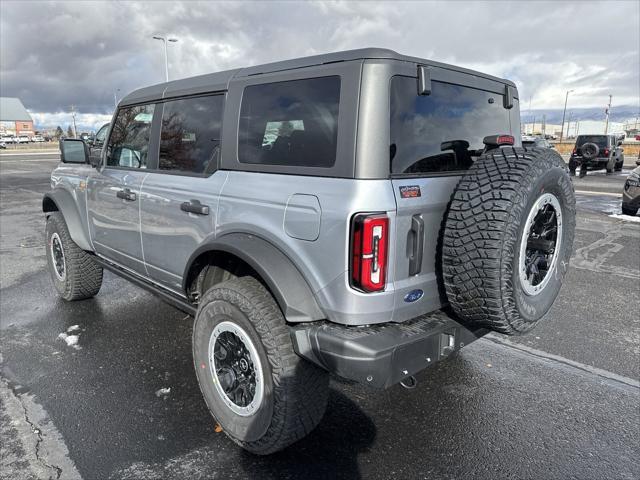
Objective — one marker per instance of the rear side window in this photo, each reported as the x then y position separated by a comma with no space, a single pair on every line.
129,140
190,134
443,131
290,123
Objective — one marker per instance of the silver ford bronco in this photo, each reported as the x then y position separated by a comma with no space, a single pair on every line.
360,213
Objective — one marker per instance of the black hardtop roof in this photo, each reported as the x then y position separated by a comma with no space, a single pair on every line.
220,81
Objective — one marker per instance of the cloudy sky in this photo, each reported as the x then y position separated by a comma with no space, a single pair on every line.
57,54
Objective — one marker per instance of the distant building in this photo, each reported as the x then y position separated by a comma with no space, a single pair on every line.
14,118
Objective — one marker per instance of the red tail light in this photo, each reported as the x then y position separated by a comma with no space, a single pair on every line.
605,152
574,151
369,243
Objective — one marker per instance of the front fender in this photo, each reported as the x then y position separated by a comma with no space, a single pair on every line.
62,201
284,280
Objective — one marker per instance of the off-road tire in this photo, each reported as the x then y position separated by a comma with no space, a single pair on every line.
629,210
483,233
619,164
83,276
295,391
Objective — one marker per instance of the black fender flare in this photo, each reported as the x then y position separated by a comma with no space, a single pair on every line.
284,280
66,205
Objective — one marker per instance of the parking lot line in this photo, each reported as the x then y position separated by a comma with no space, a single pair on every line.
591,192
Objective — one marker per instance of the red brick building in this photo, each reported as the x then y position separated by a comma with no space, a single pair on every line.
14,118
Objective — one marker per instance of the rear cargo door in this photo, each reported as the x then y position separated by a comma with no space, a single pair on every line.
435,138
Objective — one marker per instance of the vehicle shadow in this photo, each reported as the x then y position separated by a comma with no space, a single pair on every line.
329,451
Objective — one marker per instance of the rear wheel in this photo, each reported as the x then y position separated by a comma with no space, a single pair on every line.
508,239
619,164
629,210
74,273
263,395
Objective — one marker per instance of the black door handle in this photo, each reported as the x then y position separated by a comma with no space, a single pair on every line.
417,230
126,194
194,206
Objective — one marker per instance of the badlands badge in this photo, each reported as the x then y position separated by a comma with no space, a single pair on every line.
410,191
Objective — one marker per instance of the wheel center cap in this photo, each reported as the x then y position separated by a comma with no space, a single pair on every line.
244,365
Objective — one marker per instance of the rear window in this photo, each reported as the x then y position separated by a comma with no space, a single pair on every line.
290,123
443,131
600,140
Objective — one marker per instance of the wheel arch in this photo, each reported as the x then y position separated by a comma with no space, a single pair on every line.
62,201
289,288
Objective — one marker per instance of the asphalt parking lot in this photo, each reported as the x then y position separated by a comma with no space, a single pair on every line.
560,402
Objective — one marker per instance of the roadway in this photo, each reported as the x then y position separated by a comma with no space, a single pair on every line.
560,402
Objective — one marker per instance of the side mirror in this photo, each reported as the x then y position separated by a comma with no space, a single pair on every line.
73,150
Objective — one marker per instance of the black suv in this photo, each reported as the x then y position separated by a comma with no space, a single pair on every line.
596,152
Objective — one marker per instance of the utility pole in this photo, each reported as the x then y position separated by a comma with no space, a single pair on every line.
544,126
73,115
564,112
606,122
533,125
166,57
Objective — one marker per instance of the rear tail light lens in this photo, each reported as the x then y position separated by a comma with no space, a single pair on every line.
606,152
574,151
369,251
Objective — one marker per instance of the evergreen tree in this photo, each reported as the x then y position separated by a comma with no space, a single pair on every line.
69,132
59,132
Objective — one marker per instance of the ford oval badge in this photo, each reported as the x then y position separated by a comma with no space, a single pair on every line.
413,296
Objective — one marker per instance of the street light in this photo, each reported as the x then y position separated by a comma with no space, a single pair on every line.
166,59
564,112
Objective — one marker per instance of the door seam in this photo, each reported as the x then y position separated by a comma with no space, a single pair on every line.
144,260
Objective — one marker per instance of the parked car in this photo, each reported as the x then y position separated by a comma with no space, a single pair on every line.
596,152
324,229
23,139
2,146
631,193
537,142
37,138
6,139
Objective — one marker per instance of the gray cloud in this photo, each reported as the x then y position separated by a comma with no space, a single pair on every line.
55,54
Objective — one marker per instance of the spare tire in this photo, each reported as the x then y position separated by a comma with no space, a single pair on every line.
508,238
589,150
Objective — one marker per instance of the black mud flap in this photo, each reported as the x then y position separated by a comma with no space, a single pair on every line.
382,355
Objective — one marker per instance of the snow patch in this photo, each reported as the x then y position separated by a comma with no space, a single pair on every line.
626,218
73,328
163,392
71,340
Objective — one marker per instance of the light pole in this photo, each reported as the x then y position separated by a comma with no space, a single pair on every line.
564,112
166,58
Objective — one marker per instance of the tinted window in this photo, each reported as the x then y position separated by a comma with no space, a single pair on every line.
600,140
129,139
290,123
190,138
442,131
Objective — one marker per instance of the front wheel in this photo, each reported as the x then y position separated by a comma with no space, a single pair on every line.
263,395
74,273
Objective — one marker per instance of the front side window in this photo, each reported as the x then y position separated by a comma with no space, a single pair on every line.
190,136
443,131
129,139
292,123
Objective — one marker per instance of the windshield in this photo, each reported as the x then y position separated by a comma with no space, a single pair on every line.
442,131
600,140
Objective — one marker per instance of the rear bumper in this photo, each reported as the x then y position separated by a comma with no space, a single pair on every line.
382,355
591,162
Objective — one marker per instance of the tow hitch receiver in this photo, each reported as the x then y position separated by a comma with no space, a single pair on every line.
382,355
